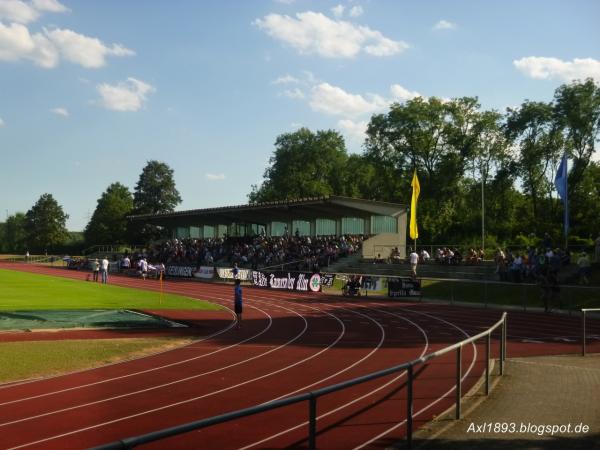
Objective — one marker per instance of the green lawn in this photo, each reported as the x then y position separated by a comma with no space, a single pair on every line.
22,360
23,291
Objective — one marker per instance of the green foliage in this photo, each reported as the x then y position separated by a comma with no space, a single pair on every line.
460,152
108,224
13,238
155,192
305,164
45,225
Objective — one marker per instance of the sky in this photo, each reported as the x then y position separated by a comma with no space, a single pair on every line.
91,90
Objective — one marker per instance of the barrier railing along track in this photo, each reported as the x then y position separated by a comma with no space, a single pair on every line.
583,332
313,396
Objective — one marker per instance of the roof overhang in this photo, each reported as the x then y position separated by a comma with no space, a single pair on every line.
333,207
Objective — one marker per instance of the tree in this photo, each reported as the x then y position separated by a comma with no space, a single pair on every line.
155,190
533,128
108,224
45,224
13,236
304,164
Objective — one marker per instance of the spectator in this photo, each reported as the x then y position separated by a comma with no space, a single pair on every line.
585,268
414,260
104,270
96,269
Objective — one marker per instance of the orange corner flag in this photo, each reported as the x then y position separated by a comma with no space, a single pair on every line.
416,187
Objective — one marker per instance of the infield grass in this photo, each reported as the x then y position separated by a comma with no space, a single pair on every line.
23,291
24,360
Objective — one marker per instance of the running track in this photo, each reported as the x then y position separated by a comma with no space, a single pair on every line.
289,343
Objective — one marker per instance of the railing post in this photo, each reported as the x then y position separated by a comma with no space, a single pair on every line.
501,356
505,326
458,376
409,408
312,422
583,337
487,363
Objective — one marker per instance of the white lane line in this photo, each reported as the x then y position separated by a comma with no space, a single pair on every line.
425,408
345,405
125,361
190,399
177,381
107,380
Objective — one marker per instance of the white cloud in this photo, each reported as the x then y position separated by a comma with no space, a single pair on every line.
314,33
338,10
542,68
128,95
293,93
402,94
60,112
50,6
444,25
83,50
214,177
296,125
46,50
285,79
355,131
335,101
1,122
356,11
18,11
26,12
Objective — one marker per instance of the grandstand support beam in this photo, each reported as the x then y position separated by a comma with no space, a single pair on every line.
338,227
367,227
313,227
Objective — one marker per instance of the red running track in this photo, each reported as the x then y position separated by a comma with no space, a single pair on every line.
290,343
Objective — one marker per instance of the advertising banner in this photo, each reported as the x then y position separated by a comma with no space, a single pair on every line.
404,287
291,281
180,271
205,272
226,273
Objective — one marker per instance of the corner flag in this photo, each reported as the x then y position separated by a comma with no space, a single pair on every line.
560,181
414,230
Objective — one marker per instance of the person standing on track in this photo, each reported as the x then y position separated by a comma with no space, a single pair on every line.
238,303
96,269
104,270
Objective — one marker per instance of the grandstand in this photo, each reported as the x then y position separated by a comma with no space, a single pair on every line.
384,224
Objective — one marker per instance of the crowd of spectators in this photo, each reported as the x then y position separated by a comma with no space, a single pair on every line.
298,252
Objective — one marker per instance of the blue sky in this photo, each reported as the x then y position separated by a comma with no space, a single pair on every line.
91,90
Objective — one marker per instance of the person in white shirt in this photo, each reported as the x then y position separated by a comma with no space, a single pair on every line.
425,256
144,268
125,263
104,270
414,260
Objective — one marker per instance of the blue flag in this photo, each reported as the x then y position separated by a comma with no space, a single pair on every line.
560,181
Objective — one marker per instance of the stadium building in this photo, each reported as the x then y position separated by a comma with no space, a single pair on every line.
384,222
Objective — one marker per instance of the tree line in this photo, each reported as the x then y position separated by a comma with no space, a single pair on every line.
43,227
465,157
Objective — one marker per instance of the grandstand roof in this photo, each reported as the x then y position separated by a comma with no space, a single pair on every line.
305,208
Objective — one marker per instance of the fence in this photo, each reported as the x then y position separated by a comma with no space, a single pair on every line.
313,396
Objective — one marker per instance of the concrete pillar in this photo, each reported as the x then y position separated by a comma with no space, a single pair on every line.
367,226
268,229
313,227
401,230
338,227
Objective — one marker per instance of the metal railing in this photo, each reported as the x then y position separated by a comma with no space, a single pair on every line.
583,332
313,396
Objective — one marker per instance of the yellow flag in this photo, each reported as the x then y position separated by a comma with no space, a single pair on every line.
414,230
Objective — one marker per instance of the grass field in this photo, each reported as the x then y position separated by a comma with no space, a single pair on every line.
26,291
22,291
23,360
